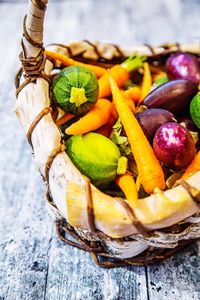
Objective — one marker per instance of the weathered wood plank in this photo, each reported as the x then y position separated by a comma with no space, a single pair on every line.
25,227
92,20
73,275
176,278
123,21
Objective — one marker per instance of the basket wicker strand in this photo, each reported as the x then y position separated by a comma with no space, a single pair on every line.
159,226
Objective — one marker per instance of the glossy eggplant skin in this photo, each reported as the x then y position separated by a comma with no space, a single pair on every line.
174,146
188,124
183,65
151,119
174,96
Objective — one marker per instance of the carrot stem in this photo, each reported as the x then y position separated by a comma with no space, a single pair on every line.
149,169
133,62
65,60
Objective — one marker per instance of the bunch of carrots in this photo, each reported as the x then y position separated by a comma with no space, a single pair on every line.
104,114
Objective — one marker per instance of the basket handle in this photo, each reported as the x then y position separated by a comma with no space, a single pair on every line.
32,54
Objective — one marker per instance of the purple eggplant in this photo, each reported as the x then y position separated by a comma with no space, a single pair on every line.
151,119
174,96
183,65
188,124
174,146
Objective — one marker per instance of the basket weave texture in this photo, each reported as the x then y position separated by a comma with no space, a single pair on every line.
133,237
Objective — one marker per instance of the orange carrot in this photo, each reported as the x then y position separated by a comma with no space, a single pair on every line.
95,118
129,102
192,168
121,73
127,184
65,60
149,170
146,83
107,128
66,117
138,183
114,111
134,93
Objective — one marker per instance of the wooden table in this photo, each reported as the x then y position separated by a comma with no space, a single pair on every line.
34,264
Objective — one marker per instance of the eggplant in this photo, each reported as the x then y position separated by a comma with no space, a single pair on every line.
151,119
174,96
187,122
174,146
183,65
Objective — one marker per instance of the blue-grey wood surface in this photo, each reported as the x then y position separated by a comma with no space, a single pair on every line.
34,264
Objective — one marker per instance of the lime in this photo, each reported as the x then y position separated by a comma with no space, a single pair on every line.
195,110
95,156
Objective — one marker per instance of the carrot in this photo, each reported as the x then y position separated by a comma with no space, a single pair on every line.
133,93
107,128
149,170
121,73
95,118
146,83
65,60
192,168
66,117
129,102
127,184
114,111
138,183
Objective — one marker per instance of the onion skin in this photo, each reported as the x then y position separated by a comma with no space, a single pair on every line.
183,65
174,146
174,96
151,119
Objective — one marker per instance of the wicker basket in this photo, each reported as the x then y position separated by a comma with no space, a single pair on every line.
162,223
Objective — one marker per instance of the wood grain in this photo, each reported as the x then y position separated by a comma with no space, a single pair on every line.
73,275
24,237
177,278
32,265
